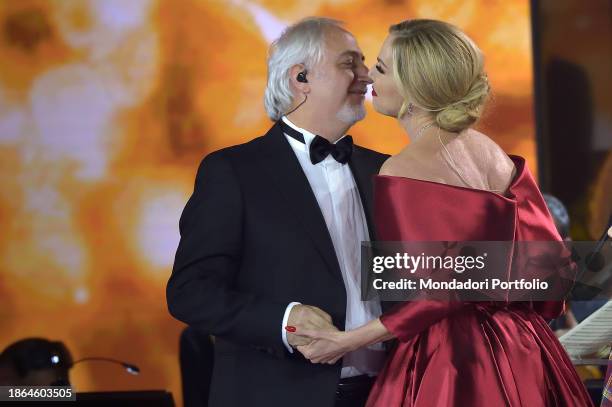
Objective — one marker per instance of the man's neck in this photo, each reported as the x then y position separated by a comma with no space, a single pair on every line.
332,130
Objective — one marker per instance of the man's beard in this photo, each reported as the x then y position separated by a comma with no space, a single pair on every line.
351,114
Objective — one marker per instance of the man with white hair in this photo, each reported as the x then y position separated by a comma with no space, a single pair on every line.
270,238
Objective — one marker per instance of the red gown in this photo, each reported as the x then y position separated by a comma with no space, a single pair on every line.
471,354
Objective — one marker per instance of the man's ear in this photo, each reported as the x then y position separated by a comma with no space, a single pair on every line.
299,86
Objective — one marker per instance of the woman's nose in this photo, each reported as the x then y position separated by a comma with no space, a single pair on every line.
372,73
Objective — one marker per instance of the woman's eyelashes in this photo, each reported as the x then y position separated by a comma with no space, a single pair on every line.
379,69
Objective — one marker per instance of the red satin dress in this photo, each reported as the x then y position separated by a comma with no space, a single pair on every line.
471,354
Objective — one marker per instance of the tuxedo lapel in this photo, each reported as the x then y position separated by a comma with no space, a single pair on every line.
363,171
286,172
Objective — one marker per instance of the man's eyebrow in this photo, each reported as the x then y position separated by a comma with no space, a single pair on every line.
382,63
352,53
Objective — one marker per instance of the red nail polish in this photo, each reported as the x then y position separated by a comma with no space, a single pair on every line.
290,328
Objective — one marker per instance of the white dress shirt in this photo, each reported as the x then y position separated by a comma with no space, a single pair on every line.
338,197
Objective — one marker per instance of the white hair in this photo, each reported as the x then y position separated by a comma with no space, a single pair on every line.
351,114
300,43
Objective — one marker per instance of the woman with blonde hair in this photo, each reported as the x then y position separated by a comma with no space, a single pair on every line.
453,183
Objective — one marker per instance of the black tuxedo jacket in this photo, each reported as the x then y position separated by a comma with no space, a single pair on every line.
253,239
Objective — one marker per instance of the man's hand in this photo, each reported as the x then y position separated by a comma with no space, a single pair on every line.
307,317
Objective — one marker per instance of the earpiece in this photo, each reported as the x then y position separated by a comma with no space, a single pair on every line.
301,77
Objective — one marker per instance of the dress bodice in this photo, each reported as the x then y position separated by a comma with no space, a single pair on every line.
408,209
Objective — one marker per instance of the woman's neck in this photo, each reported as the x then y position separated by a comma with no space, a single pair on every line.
425,136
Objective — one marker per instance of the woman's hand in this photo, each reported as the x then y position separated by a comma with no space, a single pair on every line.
327,346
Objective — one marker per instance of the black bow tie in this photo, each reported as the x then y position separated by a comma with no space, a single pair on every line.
321,147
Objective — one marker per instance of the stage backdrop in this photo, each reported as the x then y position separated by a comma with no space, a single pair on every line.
106,109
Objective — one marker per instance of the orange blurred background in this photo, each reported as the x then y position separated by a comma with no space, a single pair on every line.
106,109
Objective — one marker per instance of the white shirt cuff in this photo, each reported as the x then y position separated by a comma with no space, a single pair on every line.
283,330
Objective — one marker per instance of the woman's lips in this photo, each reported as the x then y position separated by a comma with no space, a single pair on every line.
374,92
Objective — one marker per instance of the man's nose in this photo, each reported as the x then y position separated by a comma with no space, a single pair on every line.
367,79
362,74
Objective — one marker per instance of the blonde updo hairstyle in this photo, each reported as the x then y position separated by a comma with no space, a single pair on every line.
439,69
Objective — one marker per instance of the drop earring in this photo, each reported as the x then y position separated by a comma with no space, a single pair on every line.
410,109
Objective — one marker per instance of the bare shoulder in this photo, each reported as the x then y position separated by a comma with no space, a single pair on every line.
390,166
412,162
403,164
491,160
